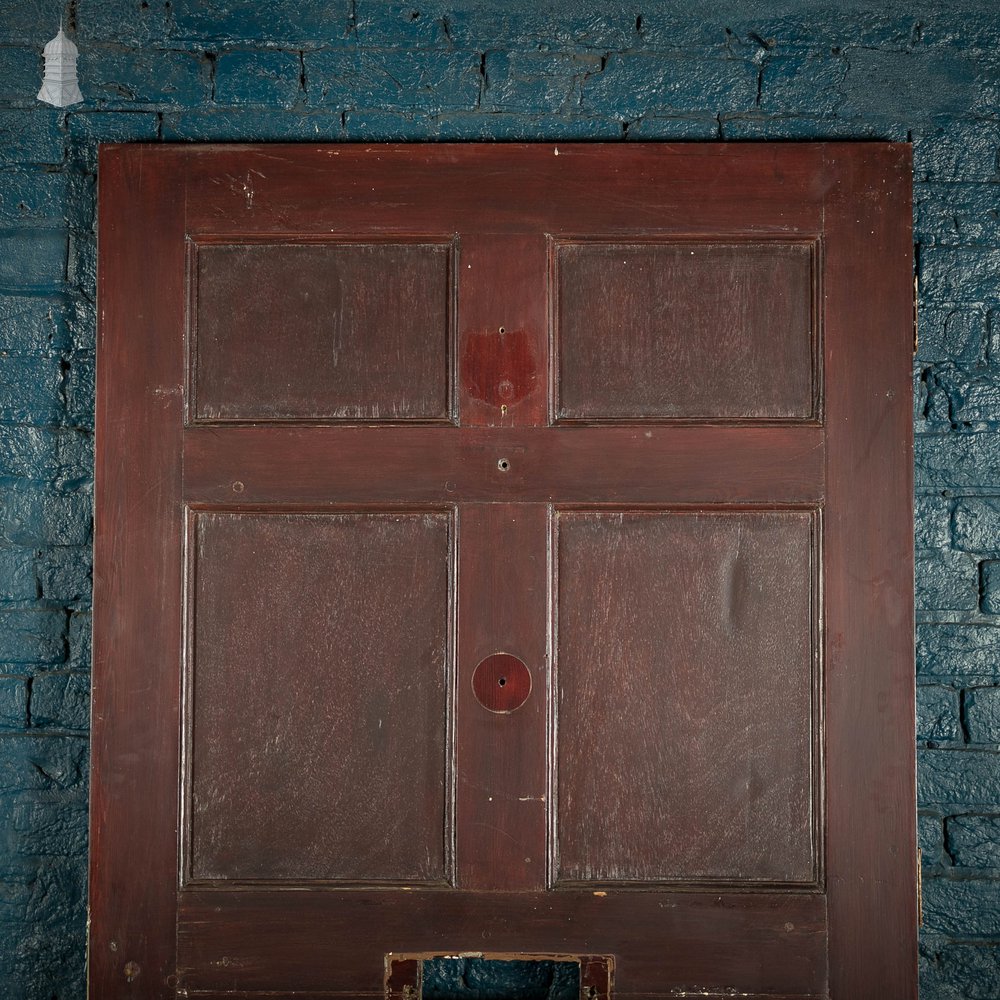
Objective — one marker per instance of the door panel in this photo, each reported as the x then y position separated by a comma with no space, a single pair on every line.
504,550
310,331
704,331
687,737
317,727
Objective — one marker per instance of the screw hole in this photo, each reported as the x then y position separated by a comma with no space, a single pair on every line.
503,330
502,681
503,465
238,487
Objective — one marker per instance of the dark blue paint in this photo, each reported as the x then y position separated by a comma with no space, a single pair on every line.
361,70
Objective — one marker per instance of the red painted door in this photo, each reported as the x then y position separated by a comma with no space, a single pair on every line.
504,550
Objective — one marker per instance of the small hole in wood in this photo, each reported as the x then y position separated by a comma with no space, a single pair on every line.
503,465
503,329
502,681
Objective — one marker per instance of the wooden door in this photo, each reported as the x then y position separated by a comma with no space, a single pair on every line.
505,550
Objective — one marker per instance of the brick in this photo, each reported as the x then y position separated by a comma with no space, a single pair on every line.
536,81
989,587
30,390
957,214
758,126
938,714
81,201
427,80
50,822
60,701
79,388
62,456
931,522
50,954
960,651
931,408
975,524
75,455
404,25
973,396
65,574
33,196
28,453
80,634
33,324
957,461
376,126
81,263
951,333
930,839
285,23
17,575
20,73
37,517
974,841
964,972
271,79
965,909
20,19
252,126
946,581
475,977
817,27
663,127
80,317
129,22
958,779
123,78
32,259
605,26
912,85
804,83
960,273
982,715
634,84
32,636
13,703
88,128
28,137
42,763
663,30
958,150
948,26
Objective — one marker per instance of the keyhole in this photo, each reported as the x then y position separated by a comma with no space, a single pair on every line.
503,465
502,681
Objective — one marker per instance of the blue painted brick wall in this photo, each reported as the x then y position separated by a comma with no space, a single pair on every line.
364,70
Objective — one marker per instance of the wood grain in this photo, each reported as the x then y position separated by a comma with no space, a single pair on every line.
691,330
661,941
872,852
558,464
313,331
318,726
137,580
687,734
502,788
702,682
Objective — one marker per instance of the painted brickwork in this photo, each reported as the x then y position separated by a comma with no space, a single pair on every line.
341,70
